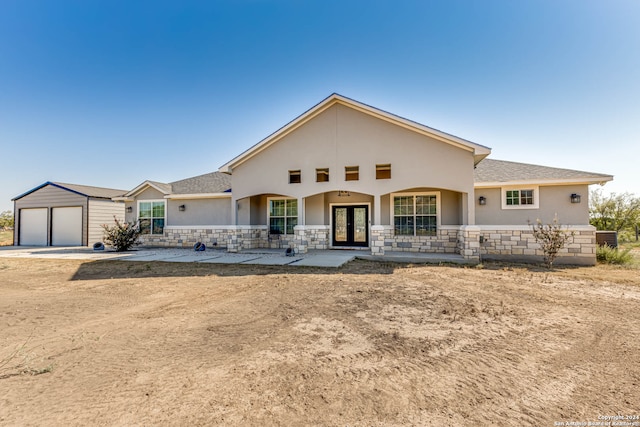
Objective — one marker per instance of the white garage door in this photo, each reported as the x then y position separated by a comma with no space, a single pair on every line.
33,227
66,226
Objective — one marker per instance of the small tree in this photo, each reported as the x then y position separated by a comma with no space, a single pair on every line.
6,219
551,239
122,236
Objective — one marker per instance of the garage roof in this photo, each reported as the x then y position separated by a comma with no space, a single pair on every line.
83,190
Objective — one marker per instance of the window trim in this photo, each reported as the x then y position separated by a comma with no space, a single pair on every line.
322,172
269,199
383,167
536,197
295,172
164,201
354,173
414,194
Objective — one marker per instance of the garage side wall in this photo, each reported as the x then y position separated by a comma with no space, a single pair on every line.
102,212
50,197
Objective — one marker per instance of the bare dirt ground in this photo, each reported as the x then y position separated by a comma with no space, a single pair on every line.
124,343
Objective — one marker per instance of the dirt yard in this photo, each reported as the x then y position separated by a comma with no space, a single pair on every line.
370,344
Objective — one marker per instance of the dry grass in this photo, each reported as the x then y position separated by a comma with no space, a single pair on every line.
141,343
6,237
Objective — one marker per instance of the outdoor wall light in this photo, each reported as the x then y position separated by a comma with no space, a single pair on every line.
182,208
129,209
343,193
575,198
482,200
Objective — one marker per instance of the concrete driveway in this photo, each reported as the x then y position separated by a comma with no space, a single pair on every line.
326,258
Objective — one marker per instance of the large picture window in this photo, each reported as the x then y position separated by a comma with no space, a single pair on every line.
415,214
151,217
283,215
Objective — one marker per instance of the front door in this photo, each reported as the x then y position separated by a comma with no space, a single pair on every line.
350,225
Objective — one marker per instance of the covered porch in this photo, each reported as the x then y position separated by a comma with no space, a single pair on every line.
415,220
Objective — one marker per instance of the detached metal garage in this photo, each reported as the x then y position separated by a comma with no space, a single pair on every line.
58,214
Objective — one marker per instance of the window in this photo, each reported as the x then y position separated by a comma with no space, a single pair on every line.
283,215
322,175
520,198
383,171
352,173
415,214
294,177
151,217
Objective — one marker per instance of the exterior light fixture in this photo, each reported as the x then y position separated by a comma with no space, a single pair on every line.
182,208
129,209
343,193
482,200
575,198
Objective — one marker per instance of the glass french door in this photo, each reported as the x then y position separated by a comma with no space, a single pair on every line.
350,225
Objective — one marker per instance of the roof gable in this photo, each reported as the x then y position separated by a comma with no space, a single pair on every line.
212,183
160,186
479,151
82,190
490,172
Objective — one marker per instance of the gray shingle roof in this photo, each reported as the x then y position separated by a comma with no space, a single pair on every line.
490,170
214,182
87,190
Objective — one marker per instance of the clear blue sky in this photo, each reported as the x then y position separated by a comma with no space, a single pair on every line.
111,93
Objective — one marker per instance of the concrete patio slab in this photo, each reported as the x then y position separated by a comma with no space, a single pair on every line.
232,259
314,258
271,260
329,260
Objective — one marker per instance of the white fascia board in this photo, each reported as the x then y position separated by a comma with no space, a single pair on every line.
198,196
479,151
141,187
540,182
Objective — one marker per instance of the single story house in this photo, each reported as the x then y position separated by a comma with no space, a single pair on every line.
59,214
348,175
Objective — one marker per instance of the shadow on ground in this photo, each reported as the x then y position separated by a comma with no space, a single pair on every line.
108,269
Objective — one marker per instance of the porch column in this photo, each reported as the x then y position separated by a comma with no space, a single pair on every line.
301,211
234,211
377,209
469,206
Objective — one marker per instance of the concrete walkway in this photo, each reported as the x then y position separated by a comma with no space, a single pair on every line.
328,258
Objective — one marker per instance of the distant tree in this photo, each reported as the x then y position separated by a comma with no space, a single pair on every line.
6,219
614,212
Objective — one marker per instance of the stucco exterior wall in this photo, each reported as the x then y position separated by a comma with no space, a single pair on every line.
553,200
342,136
199,211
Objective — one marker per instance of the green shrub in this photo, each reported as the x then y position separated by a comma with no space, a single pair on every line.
122,236
608,255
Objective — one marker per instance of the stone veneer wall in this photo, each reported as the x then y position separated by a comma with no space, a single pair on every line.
517,243
511,243
383,240
310,237
233,237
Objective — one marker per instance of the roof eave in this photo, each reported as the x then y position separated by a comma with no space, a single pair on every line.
569,181
141,187
198,196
